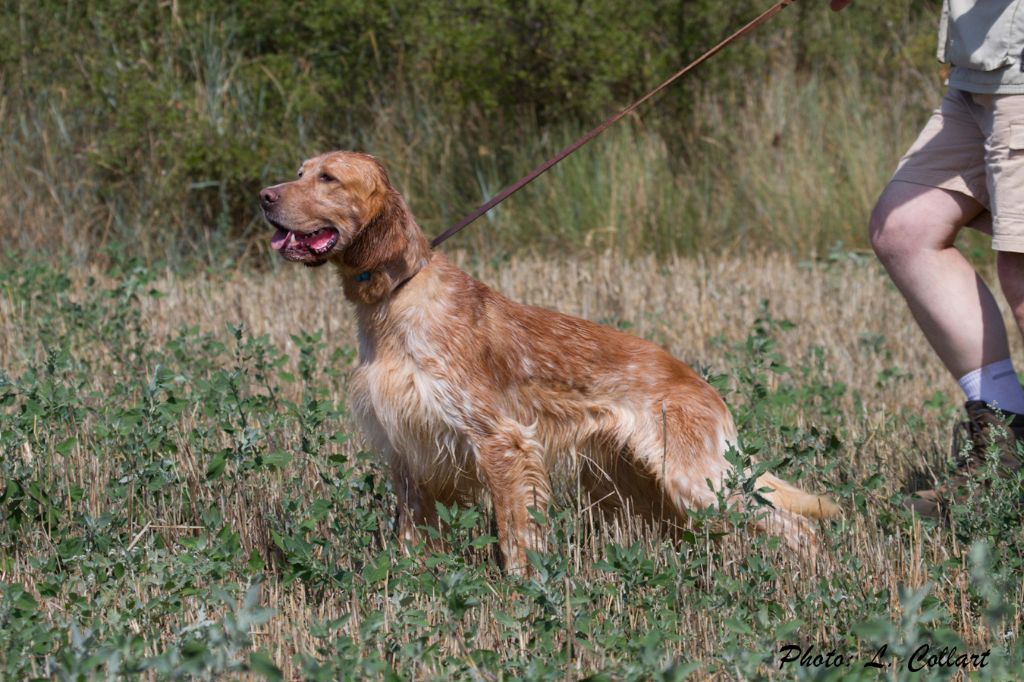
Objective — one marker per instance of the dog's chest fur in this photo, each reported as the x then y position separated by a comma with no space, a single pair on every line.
409,403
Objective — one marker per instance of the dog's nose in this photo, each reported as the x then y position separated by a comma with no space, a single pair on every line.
269,196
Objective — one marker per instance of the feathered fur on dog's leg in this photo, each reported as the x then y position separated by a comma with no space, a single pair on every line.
511,466
416,507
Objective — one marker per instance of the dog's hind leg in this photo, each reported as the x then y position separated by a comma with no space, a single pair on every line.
510,462
685,455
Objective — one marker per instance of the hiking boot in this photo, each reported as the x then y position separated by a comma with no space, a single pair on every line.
984,435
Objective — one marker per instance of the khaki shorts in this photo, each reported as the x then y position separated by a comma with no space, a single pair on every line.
974,144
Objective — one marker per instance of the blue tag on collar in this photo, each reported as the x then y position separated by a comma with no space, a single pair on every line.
363,276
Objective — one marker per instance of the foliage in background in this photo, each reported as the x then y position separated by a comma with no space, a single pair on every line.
153,125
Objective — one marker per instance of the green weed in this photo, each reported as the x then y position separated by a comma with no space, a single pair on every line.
193,505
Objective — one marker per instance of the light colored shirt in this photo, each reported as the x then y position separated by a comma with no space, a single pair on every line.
983,41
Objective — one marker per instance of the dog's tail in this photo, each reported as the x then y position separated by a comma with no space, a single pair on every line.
787,496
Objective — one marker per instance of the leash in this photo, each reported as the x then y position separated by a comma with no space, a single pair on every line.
539,170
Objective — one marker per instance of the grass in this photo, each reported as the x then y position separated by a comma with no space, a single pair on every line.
183,494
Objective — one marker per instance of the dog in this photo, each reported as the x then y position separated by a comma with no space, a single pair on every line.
463,390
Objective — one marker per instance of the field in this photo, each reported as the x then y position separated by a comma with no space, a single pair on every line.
182,492
185,495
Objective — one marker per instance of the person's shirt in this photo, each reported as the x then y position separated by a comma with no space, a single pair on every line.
983,41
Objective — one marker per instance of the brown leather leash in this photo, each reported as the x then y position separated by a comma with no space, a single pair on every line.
539,170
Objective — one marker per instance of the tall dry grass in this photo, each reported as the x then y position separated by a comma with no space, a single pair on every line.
791,164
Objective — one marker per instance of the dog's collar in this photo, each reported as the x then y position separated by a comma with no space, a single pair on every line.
365,277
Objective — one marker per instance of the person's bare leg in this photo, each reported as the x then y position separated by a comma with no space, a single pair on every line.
1011,278
912,232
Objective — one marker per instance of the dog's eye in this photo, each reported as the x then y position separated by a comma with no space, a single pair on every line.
324,177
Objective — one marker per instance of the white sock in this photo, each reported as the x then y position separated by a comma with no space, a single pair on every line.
995,384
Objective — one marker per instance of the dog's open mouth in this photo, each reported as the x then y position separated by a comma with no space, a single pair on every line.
309,248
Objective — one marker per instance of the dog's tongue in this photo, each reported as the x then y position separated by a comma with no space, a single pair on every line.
279,238
318,240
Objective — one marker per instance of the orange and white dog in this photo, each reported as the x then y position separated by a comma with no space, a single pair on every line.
463,390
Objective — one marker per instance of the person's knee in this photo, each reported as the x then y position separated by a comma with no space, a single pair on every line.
890,232
909,220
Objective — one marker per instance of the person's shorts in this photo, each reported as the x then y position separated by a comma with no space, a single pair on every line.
974,144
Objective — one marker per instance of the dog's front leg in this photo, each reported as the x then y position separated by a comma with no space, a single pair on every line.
416,507
511,466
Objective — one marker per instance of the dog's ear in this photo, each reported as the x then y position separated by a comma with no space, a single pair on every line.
383,238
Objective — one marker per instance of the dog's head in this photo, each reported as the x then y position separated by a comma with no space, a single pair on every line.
332,210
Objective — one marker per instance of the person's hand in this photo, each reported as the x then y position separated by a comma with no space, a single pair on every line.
837,5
